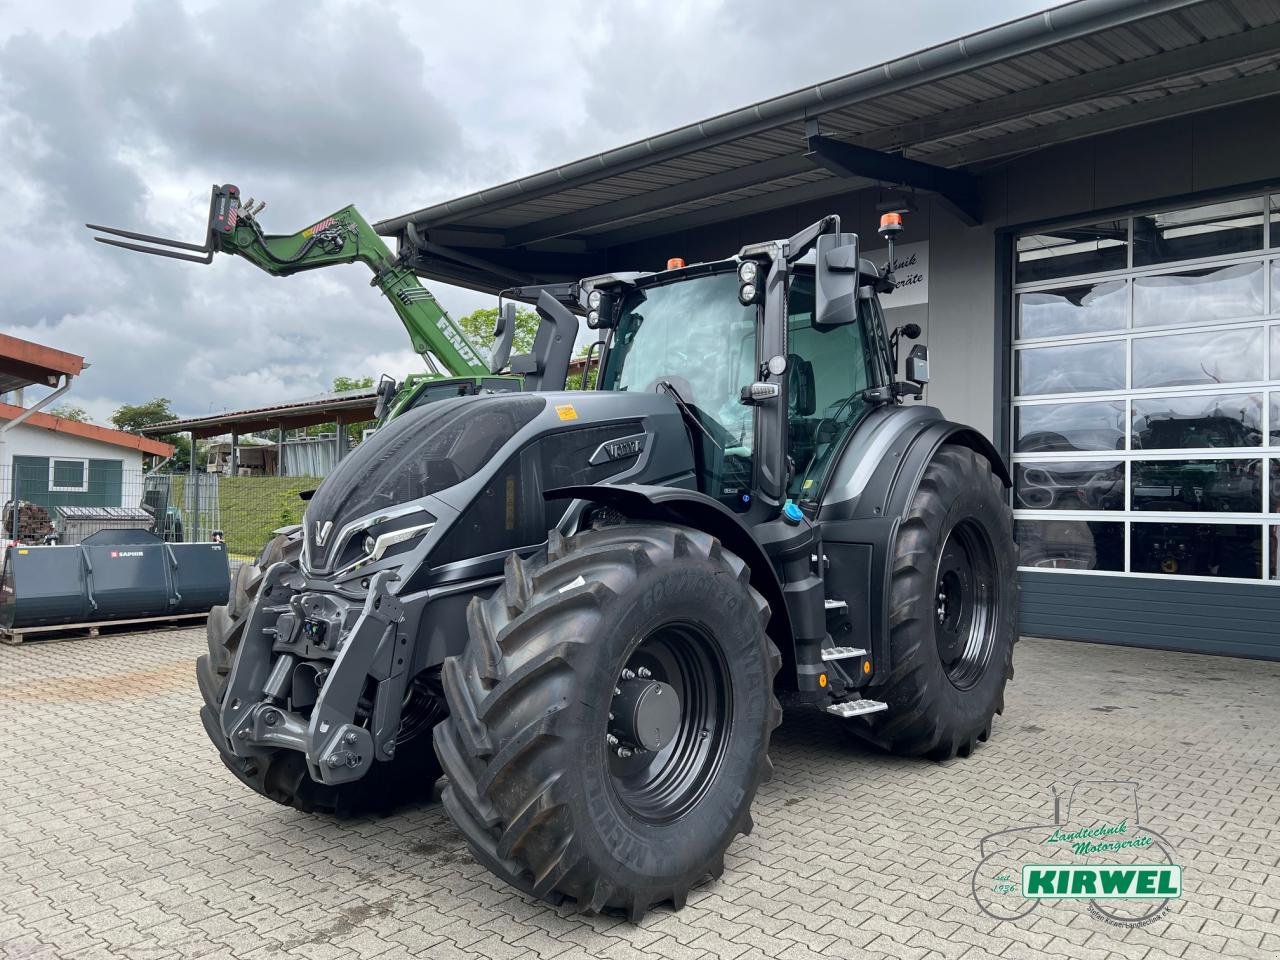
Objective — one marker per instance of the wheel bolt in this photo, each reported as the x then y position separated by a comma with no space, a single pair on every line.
644,673
610,739
628,674
624,752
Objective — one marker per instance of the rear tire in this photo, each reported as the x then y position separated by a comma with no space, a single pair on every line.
546,801
953,613
282,775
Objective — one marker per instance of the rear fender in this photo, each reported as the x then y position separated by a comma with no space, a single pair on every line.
859,532
691,508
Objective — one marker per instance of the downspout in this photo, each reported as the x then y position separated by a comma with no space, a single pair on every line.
4,431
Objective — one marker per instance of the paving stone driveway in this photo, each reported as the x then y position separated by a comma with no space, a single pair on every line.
122,835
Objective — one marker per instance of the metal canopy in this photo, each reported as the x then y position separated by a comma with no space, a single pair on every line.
931,120
352,406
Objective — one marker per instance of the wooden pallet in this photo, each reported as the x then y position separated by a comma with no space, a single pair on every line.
78,631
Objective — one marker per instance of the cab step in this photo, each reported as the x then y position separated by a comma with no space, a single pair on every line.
856,708
842,653
832,606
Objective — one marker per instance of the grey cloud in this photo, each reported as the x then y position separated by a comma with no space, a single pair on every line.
315,105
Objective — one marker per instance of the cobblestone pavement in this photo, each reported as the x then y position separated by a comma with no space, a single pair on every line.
122,835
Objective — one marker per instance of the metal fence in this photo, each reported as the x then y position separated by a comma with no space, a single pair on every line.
65,500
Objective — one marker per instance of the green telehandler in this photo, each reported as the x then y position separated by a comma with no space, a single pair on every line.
454,367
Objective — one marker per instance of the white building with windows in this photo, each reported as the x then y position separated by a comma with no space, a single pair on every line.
54,462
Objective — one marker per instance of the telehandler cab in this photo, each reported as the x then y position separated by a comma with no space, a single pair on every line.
584,606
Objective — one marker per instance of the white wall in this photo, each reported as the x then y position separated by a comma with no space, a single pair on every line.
25,440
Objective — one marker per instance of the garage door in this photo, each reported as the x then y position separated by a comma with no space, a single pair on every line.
1146,427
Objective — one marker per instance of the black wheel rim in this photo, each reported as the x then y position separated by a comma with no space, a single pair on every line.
662,785
964,600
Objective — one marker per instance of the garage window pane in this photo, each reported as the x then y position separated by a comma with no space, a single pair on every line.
1091,308
1197,486
1172,423
1275,561
1211,230
1070,544
1198,296
1275,346
1077,485
1196,549
1077,368
1073,251
1227,357
67,475
1275,220
1275,419
1045,427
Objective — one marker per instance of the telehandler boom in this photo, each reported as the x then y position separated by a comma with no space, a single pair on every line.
340,238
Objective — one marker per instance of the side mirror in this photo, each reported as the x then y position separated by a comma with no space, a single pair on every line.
504,332
387,390
835,280
918,363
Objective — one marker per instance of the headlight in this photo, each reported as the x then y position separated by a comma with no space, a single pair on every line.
747,293
378,542
748,271
386,541
593,299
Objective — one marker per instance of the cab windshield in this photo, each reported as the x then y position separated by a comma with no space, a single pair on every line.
693,339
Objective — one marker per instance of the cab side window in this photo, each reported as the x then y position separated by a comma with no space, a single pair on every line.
828,370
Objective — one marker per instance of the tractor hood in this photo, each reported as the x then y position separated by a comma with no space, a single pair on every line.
417,454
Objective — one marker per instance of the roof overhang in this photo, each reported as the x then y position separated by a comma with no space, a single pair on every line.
23,364
352,406
931,121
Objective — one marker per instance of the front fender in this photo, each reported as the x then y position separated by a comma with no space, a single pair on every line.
691,508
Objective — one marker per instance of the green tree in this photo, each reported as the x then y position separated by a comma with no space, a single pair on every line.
341,384
574,380
69,411
134,417
478,326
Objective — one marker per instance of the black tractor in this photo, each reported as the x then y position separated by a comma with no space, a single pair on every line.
584,607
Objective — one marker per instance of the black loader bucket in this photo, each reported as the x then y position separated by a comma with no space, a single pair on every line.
111,575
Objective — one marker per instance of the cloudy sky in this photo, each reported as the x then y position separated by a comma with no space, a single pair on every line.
124,112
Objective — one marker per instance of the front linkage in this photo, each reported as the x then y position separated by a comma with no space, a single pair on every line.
338,645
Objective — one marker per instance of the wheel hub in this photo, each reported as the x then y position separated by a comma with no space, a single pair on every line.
669,721
964,603
646,714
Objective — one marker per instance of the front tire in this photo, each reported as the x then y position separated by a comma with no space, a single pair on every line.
570,776
953,611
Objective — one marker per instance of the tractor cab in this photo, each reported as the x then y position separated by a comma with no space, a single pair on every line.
774,357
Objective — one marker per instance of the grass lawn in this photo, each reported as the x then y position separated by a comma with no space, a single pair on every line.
254,506
251,507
